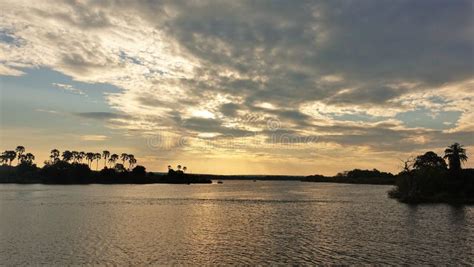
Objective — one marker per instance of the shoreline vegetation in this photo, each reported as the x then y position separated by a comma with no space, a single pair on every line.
428,179
424,179
72,167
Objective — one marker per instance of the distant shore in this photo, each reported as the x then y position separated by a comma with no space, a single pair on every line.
75,174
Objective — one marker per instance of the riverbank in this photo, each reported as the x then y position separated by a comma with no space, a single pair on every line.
65,173
434,185
355,176
350,180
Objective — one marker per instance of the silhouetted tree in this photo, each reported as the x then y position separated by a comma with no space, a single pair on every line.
184,169
407,165
64,168
75,155
456,155
131,161
27,158
429,159
54,155
67,156
171,172
20,150
113,159
81,156
90,158
106,155
119,168
97,157
8,156
124,157
139,171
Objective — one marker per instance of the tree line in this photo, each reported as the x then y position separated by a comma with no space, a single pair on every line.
74,157
74,167
8,156
109,159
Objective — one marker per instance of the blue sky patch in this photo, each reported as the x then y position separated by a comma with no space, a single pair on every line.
426,119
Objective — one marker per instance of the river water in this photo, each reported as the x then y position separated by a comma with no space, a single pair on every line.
237,222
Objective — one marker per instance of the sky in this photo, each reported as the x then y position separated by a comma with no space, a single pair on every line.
239,87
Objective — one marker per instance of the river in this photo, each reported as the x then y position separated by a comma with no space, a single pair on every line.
237,222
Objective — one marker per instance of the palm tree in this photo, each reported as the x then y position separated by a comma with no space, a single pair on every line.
456,155
20,150
54,155
81,156
97,157
124,157
184,169
113,159
30,157
90,157
106,155
9,156
179,167
27,158
67,155
74,156
131,161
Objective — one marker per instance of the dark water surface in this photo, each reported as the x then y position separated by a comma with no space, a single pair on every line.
238,222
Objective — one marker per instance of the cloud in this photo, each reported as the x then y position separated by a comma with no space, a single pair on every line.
95,138
208,125
78,15
101,115
70,88
51,111
229,109
9,71
227,68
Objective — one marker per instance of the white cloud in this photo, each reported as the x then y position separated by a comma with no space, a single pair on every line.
69,88
94,137
8,71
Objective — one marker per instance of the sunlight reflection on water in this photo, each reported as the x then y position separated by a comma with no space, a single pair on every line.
238,222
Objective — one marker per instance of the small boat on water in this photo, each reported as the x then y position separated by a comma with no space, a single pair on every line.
219,182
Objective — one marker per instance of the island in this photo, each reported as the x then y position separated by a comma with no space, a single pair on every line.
72,167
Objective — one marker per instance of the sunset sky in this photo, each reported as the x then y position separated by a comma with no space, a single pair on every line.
239,87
